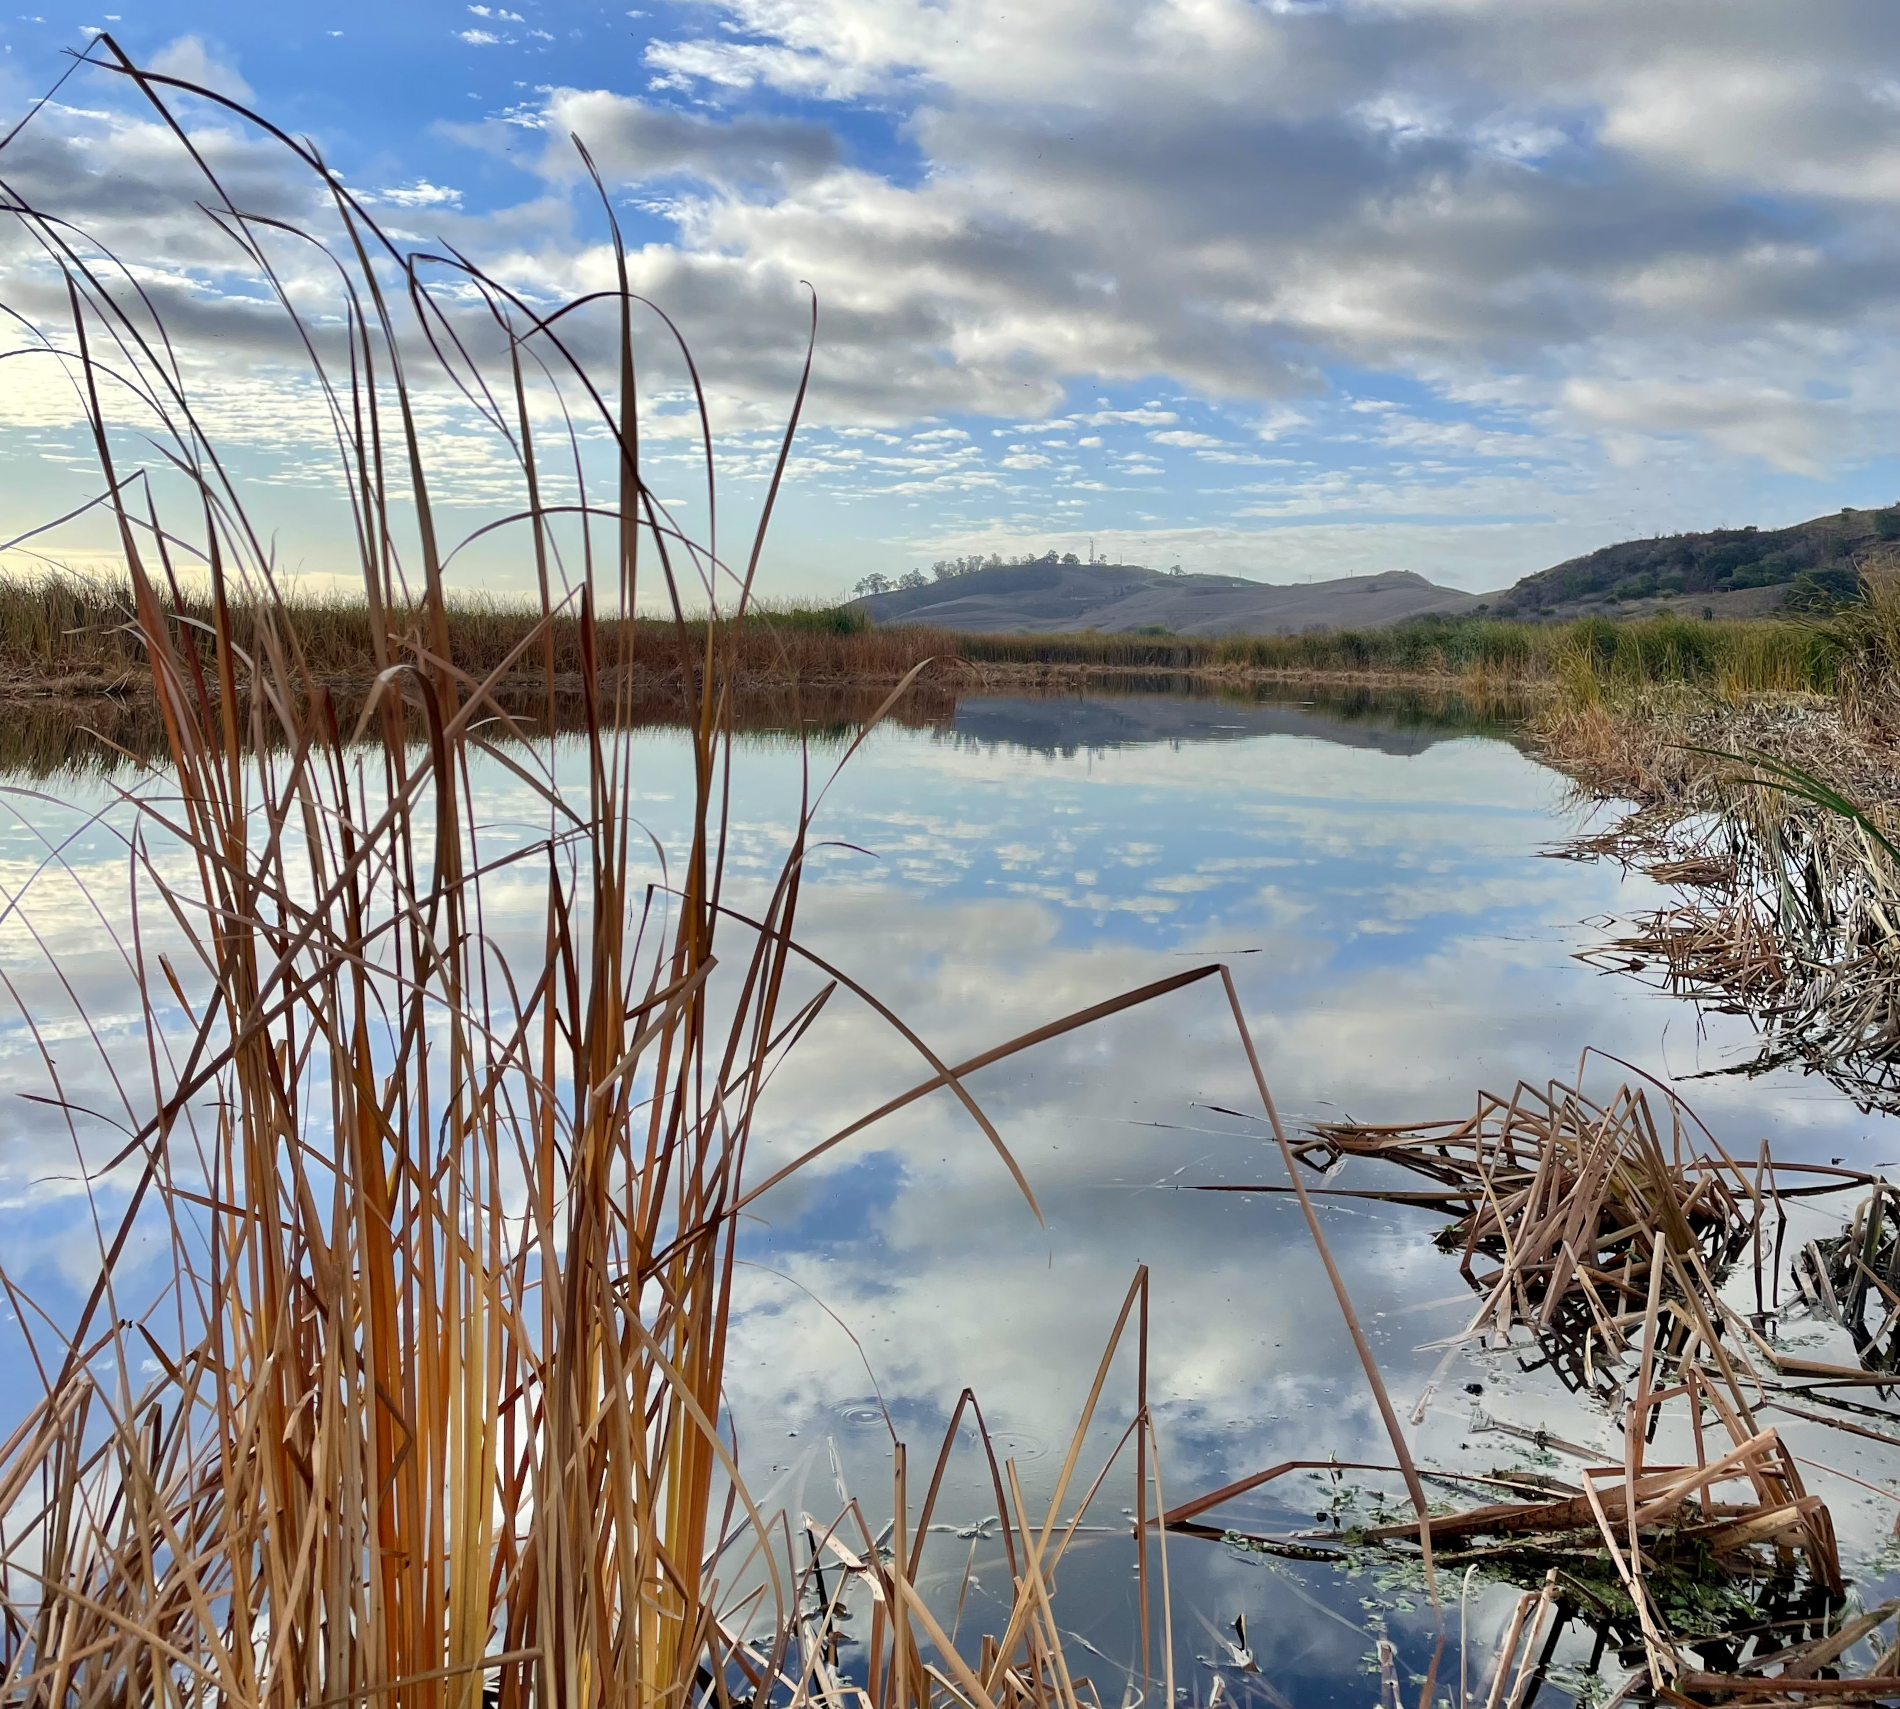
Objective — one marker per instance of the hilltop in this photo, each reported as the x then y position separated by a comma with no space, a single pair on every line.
1725,572
1728,572
1047,596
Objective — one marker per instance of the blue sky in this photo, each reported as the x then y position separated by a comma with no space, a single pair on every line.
1267,287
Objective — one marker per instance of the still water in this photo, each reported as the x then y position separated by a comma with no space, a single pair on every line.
1379,884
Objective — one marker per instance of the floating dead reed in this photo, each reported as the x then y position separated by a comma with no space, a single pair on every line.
1571,1210
1604,1236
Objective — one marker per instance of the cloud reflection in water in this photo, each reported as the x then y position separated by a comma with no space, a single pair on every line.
1398,942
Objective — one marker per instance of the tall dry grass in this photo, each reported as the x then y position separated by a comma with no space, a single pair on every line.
438,1409
58,629
426,1405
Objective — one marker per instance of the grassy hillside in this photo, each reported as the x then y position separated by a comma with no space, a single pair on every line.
1815,564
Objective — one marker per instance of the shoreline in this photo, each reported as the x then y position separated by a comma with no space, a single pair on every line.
948,671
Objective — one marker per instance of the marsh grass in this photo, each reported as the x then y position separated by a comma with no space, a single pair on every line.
1724,656
64,632
57,628
1776,815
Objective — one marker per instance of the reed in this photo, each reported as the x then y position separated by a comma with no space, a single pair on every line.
1609,1232
1759,655
60,630
426,1407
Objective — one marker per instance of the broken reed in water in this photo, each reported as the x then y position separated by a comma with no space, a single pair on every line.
1793,920
1610,1238
1576,1204
1860,1267
1778,821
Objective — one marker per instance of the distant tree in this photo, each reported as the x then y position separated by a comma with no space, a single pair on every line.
1174,569
872,584
1070,558
913,578
994,562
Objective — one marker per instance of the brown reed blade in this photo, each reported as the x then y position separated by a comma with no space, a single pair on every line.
440,1366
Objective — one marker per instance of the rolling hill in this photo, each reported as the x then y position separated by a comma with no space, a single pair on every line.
1047,597
1729,571
1726,572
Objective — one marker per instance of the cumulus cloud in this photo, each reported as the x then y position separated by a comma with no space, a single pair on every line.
632,141
1235,195
188,58
1593,236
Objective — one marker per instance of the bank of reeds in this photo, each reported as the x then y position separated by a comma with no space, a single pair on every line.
1775,815
1726,655
66,633
61,633
426,1406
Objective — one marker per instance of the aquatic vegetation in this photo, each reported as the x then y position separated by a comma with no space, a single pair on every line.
1586,1212
1717,1576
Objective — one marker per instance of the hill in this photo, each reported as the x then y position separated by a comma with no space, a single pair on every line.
1731,572
1046,597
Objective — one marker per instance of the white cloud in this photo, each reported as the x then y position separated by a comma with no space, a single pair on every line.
188,58
420,194
1614,262
632,140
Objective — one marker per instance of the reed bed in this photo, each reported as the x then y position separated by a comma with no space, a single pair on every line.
1776,818
1776,823
65,633
1758,655
61,632
425,1407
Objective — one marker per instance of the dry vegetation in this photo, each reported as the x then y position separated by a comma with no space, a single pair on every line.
425,1407
1612,1242
1776,817
75,641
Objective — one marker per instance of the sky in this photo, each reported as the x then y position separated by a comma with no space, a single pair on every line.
1280,288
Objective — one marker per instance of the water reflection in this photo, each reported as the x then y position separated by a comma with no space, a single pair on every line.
1071,724
1399,942
102,735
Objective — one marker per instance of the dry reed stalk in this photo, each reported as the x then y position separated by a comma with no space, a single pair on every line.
1777,816
428,1409
1796,924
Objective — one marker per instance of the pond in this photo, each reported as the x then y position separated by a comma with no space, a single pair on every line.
1378,878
